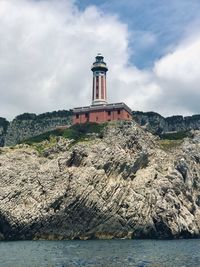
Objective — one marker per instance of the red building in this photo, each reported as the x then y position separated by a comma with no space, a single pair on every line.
100,111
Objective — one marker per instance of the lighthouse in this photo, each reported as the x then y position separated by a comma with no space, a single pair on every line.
100,110
99,69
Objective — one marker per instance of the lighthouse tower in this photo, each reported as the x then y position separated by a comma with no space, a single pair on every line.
100,111
99,69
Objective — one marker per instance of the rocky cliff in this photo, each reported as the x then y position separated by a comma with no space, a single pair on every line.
157,124
28,125
124,183
3,128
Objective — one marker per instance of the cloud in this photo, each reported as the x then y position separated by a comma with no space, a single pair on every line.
171,87
46,50
48,46
166,21
178,74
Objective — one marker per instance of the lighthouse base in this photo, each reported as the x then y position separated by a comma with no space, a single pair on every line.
102,113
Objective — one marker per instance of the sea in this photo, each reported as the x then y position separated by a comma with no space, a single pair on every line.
104,253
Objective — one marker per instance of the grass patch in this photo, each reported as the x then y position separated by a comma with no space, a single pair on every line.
78,132
173,140
176,135
41,146
42,137
170,144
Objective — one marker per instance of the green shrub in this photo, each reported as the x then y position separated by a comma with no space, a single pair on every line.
77,132
173,140
40,147
26,116
176,135
43,137
170,144
47,115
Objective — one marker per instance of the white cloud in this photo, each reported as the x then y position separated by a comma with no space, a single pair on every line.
47,48
178,74
184,62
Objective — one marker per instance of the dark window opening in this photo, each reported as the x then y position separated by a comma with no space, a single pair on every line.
87,115
77,116
118,112
127,115
109,113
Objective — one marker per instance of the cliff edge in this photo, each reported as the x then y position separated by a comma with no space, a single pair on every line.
29,125
122,183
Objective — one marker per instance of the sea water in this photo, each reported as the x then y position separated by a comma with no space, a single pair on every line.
104,253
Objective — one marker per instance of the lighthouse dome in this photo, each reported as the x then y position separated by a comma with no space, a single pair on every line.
99,63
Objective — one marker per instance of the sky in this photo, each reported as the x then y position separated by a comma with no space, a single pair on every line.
47,47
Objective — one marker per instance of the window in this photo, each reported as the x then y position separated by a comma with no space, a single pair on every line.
127,115
87,115
109,113
118,112
77,116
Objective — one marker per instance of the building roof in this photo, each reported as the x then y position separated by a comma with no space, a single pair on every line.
102,107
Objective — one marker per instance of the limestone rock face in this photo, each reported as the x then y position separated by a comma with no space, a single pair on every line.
157,124
28,125
2,136
3,128
122,185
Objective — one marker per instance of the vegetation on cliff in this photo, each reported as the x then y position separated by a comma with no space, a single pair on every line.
50,115
29,125
173,140
76,132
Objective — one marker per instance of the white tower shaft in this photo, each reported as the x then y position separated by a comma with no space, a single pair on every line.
99,88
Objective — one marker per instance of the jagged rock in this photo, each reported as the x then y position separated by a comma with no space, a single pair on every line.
157,124
123,185
3,129
28,125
